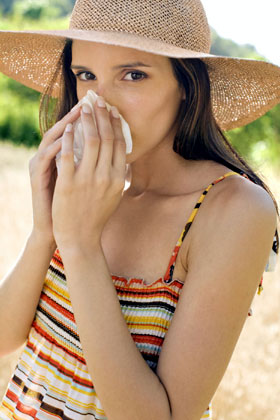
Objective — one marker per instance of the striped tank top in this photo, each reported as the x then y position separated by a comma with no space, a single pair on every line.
51,379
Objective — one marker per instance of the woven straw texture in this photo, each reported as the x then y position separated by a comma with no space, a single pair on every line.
241,90
154,19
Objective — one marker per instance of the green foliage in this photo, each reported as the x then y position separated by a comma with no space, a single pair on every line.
19,110
16,22
36,9
31,9
19,105
6,6
260,140
228,48
64,7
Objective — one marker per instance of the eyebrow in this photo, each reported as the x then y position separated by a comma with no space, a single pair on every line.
136,64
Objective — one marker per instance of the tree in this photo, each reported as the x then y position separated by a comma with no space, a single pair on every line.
6,6
228,48
64,6
34,9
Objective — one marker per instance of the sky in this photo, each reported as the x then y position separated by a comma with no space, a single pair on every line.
252,22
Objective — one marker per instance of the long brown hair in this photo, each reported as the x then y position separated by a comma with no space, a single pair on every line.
198,136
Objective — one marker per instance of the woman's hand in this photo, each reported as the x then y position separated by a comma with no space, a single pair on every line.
43,174
85,197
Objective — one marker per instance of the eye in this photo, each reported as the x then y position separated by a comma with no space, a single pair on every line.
138,73
85,73
87,76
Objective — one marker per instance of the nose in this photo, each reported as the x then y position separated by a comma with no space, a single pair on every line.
104,87
107,96
101,91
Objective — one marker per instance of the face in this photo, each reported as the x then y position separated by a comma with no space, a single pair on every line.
148,97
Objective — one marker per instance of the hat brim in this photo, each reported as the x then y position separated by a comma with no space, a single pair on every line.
242,90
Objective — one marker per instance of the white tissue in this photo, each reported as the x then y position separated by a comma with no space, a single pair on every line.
79,141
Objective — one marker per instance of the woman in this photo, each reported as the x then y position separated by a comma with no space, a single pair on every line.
101,343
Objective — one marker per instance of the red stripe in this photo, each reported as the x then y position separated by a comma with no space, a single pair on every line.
12,396
26,410
57,259
152,293
59,367
51,340
67,372
147,339
57,307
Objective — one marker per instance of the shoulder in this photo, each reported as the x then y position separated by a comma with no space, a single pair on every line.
235,212
239,197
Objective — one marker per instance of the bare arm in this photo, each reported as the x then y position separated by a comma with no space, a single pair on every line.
226,261
20,291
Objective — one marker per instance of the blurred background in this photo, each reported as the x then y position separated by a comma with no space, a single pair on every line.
250,388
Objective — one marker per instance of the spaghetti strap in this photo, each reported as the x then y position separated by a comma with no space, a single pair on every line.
170,269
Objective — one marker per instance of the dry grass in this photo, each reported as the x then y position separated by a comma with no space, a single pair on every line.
15,222
250,388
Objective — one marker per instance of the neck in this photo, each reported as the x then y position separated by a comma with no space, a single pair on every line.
160,172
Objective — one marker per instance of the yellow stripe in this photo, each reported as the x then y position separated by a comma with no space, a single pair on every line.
61,294
143,325
45,380
36,375
51,348
7,406
86,406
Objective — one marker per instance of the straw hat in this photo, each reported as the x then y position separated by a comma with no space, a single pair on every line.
241,89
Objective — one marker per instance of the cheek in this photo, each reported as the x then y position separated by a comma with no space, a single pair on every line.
156,115
81,91
151,120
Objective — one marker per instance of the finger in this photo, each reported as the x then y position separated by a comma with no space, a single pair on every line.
119,153
50,153
92,141
107,137
58,128
43,161
67,154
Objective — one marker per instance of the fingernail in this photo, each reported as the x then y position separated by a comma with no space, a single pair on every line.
86,109
115,112
101,102
69,128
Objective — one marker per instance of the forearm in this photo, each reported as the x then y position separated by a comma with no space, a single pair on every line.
124,383
20,291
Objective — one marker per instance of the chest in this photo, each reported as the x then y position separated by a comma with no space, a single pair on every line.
138,241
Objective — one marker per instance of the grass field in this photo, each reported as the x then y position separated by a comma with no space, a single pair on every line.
250,388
